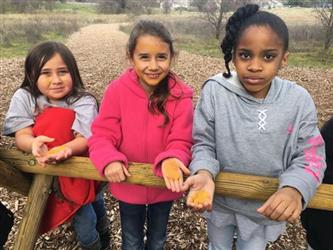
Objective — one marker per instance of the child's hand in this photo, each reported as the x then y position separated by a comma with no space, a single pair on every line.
172,171
201,192
60,153
116,172
283,205
38,146
55,155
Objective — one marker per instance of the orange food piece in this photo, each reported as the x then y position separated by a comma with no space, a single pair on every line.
56,150
171,169
200,197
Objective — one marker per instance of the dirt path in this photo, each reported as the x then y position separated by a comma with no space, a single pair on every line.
100,53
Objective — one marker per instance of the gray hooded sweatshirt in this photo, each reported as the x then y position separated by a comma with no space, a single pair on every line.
276,136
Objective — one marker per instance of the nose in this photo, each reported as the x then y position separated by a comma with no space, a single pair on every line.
153,64
55,78
255,65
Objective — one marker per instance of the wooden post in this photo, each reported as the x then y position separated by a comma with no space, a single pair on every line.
13,179
229,184
34,210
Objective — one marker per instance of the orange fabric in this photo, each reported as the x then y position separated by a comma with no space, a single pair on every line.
57,123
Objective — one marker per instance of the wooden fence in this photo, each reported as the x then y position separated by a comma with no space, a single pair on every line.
14,165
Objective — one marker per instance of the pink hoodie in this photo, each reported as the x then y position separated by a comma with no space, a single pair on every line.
126,131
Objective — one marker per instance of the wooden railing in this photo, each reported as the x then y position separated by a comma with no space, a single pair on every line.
14,164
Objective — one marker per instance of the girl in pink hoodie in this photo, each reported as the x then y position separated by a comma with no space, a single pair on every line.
145,116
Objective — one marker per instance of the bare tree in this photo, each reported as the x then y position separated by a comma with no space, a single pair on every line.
215,12
166,6
325,15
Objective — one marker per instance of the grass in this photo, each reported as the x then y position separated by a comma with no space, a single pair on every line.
316,59
195,46
296,15
19,47
83,8
19,32
15,50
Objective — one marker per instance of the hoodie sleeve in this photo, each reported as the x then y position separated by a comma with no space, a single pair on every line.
306,169
204,149
179,140
106,132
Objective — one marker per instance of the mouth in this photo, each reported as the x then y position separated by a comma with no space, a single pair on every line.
57,89
153,76
253,80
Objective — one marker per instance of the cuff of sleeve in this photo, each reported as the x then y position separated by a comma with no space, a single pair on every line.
210,166
306,190
103,162
180,155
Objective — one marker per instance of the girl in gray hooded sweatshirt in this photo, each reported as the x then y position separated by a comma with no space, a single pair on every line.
253,122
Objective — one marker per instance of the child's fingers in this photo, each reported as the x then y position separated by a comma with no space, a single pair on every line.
178,185
44,138
188,183
184,169
295,215
41,161
172,185
167,183
287,213
279,212
266,207
126,172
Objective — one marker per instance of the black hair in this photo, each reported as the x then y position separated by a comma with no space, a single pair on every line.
239,21
161,92
38,56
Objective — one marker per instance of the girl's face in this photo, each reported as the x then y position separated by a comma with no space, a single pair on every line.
151,61
55,81
258,57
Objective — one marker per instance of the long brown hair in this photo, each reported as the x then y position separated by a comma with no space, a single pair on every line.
160,94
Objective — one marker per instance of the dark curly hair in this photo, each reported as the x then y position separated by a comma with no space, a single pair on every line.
244,17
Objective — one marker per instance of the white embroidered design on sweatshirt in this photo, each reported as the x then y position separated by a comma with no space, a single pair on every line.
262,119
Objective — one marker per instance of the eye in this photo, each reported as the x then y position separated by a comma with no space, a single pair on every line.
244,55
45,73
162,57
63,72
269,57
144,57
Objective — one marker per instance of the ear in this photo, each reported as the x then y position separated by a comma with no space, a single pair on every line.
284,61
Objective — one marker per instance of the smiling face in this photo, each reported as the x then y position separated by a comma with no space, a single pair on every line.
258,57
151,61
55,81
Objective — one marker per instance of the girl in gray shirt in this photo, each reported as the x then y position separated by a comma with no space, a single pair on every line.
252,122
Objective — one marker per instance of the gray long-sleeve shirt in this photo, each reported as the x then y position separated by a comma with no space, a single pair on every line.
276,136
